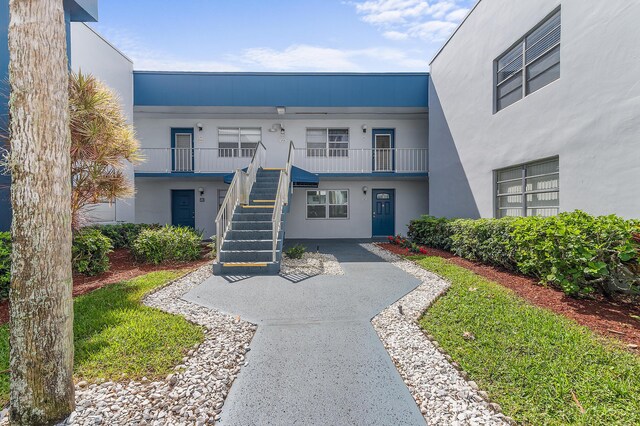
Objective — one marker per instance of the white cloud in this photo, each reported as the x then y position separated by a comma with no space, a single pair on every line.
315,58
296,57
429,20
395,35
457,15
300,57
149,58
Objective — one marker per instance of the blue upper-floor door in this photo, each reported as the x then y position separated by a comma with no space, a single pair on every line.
383,150
182,155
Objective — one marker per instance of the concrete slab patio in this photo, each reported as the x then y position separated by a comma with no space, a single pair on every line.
315,358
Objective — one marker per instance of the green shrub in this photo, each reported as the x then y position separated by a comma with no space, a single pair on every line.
295,252
578,252
168,243
575,252
431,232
483,240
123,235
90,252
5,264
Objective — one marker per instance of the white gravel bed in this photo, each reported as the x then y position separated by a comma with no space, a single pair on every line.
311,264
195,392
440,390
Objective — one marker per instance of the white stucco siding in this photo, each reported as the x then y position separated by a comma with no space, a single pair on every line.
589,117
91,54
156,132
410,202
153,201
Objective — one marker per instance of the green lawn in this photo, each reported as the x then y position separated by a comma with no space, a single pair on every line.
531,360
115,334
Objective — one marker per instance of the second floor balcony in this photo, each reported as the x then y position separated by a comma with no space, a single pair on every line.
193,160
363,161
322,161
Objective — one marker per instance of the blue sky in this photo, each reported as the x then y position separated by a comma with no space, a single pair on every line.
280,35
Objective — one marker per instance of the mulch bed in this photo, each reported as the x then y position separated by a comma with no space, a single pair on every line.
607,318
123,267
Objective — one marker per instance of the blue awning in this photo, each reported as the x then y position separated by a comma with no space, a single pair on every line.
299,177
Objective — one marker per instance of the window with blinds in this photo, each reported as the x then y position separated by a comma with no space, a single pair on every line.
328,204
531,64
532,189
327,142
238,142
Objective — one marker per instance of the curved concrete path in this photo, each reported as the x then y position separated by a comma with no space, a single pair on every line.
315,358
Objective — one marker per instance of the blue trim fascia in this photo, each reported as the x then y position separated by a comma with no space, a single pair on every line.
82,10
331,90
180,174
375,174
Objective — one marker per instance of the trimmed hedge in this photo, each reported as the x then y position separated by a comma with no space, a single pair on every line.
483,240
123,235
89,253
431,231
169,243
576,252
5,264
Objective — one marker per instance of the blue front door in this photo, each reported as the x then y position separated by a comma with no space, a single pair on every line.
384,212
183,208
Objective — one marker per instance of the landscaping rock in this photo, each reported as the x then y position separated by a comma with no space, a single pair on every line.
311,264
441,392
197,388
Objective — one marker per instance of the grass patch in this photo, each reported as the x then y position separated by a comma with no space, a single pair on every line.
531,361
117,337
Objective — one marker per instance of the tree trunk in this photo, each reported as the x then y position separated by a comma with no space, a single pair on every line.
41,310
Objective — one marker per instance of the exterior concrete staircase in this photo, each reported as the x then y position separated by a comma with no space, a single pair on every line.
248,245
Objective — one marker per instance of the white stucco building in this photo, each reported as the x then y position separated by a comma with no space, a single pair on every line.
530,108
556,131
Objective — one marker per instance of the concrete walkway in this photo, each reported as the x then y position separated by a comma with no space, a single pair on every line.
315,358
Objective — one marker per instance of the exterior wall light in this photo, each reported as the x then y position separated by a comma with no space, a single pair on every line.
201,191
200,126
364,190
364,128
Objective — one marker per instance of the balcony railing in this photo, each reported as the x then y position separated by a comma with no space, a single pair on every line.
315,160
381,160
194,160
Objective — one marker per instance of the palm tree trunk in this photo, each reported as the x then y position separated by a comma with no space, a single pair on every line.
41,284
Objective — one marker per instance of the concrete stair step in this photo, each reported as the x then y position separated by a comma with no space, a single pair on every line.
247,256
258,208
240,269
252,226
251,234
250,215
247,245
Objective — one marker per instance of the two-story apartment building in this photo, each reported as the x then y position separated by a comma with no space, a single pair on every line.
360,145
530,108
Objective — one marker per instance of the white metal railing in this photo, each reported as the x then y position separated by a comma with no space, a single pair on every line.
282,199
194,160
338,160
237,193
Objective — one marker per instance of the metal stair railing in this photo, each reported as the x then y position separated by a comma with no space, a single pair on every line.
282,199
238,193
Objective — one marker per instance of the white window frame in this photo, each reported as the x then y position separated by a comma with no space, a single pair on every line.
238,151
526,64
327,151
327,204
523,187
